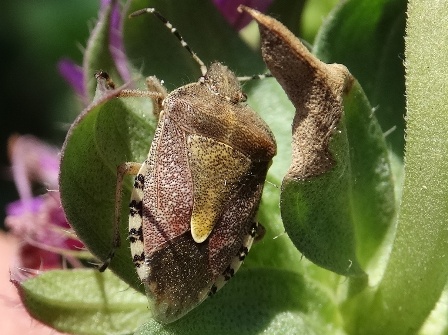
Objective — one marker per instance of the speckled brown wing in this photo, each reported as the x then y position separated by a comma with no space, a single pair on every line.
183,273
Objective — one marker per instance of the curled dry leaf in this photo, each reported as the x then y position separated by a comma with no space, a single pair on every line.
314,88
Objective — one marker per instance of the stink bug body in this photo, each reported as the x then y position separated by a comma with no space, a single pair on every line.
195,197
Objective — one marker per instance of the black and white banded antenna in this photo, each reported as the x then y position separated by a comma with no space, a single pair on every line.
174,32
255,77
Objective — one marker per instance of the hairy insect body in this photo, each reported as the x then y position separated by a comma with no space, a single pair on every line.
195,197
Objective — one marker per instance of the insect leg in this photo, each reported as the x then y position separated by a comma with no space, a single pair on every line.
154,85
156,92
128,168
259,233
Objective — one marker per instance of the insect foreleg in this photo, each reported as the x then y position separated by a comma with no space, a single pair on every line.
155,85
156,92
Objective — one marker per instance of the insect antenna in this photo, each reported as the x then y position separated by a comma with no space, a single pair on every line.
255,77
174,32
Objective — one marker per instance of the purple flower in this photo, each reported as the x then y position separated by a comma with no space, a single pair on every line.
38,221
237,20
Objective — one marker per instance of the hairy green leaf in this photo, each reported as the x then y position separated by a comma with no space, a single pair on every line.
417,271
109,132
84,302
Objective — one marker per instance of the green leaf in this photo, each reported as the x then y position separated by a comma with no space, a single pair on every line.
372,200
109,132
259,301
344,215
84,302
417,271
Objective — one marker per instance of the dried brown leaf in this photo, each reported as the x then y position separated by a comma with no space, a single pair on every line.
316,90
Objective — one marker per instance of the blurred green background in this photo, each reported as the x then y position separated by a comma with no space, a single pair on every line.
34,36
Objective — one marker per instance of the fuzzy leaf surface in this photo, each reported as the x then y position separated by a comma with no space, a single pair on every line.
84,302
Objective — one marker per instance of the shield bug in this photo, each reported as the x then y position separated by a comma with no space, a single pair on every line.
195,197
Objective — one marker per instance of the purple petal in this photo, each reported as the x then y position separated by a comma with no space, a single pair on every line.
74,76
104,4
20,207
32,159
32,257
22,217
228,9
40,229
116,45
39,222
